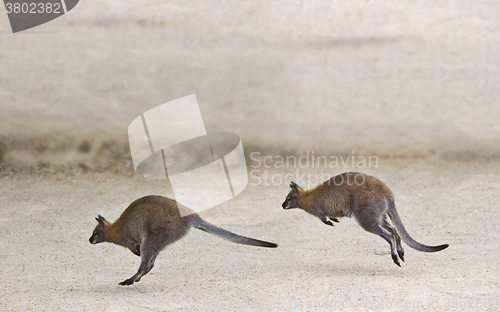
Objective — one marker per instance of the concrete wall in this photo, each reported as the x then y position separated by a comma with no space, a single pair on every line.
376,77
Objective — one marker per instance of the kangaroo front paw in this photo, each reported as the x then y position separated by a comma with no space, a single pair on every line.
328,223
335,220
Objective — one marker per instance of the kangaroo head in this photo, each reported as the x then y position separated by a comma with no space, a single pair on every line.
98,234
292,199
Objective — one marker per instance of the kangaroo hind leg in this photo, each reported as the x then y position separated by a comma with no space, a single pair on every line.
377,229
148,257
397,239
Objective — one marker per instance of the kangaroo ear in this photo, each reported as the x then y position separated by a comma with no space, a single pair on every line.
295,188
102,221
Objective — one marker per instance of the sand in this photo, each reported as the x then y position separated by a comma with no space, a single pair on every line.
48,263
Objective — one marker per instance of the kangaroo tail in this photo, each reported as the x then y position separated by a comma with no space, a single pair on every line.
393,214
195,221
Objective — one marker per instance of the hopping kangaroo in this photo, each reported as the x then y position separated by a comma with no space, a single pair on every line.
151,223
369,201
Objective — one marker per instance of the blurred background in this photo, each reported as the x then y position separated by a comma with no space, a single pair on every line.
388,78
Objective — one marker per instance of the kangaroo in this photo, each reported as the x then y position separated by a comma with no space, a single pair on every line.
369,201
151,223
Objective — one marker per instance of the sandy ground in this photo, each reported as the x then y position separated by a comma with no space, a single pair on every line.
48,264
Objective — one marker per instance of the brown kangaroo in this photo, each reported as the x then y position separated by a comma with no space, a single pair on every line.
151,223
369,201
